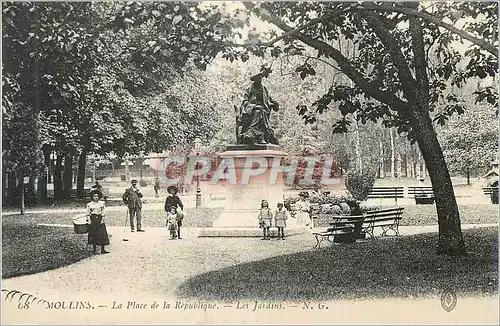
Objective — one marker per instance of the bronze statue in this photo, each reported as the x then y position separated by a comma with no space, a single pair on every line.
253,117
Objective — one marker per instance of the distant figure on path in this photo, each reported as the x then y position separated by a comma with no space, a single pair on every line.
132,198
265,218
280,216
174,200
157,187
97,187
422,192
98,235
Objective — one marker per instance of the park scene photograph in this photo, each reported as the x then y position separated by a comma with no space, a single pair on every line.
222,162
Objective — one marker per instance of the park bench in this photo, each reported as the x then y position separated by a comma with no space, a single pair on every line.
73,193
86,193
488,190
422,195
387,192
345,225
342,225
387,219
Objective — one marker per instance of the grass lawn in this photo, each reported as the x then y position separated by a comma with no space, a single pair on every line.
150,218
29,249
390,267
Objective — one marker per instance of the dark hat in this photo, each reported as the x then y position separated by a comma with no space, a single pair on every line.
133,181
256,77
172,188
264,72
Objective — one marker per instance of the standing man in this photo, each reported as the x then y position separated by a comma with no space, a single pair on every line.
157,187
97,187
132,198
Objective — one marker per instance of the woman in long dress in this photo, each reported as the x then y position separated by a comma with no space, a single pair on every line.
303,210
98,235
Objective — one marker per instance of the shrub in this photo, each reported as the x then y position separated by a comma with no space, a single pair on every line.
360,183
340,205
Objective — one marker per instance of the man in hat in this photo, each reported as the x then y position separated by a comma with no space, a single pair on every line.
157,187
173,200
132,198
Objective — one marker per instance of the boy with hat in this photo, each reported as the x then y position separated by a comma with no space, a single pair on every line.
173,200
132,198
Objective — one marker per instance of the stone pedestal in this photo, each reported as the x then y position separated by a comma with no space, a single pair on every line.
239,217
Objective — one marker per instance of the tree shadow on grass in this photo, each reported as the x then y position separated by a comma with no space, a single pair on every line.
30,249
405,266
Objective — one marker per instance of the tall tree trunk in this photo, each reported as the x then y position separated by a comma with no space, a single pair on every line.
4,189
80,181
43,177
58,185
22,192
359,162
450,233
380,160
31,194
405,163
419,166
468,176
393,155
68,175
400,165
451,240
11,188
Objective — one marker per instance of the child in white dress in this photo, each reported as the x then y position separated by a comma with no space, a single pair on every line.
265,217
280,216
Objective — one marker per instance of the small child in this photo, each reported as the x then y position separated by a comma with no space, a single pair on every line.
265,217
280,217
172,222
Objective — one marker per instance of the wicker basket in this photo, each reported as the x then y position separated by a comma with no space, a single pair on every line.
80,225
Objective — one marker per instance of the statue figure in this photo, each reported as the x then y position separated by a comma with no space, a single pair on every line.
253,116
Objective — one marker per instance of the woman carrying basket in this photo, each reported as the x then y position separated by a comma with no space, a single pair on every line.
98,235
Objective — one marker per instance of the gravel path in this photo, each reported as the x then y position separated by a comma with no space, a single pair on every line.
149,266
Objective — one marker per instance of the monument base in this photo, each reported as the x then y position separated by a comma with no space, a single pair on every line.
243,199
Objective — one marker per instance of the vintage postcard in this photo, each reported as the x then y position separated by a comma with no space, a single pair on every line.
223,162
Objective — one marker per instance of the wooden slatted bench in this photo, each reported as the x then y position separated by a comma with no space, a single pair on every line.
422,195
387,219
86,193
342,225
488,190
387,192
